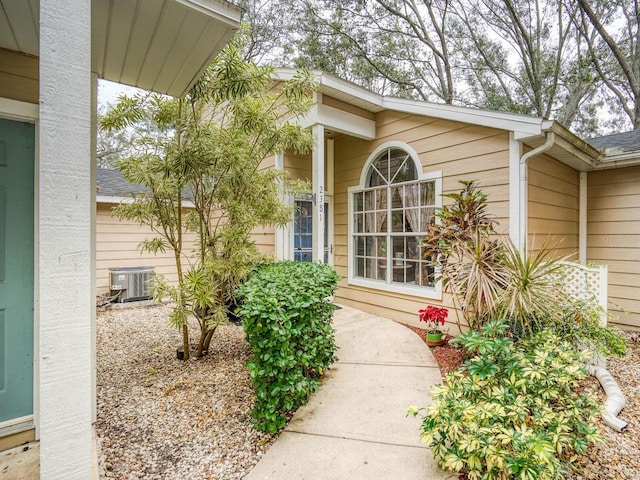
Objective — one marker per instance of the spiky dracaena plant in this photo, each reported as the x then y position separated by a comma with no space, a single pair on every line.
487,275
533,297
461,247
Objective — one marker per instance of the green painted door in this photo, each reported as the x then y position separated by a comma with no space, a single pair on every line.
16,269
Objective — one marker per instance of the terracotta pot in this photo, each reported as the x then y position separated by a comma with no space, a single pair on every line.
434,339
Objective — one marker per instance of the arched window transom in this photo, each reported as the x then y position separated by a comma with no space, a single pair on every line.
390,213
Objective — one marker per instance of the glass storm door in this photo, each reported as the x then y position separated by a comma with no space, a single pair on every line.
16,271
303,232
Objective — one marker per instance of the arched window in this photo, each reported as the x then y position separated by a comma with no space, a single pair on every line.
390,212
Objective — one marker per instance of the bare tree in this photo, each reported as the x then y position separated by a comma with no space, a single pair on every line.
611,30
523,56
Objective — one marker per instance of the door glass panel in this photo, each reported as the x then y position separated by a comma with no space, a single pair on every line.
302,232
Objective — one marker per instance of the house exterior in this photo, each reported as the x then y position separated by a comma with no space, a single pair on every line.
117,241
380,165
377,177
51,54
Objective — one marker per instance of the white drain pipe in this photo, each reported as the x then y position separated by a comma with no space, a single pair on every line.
550,138
615,399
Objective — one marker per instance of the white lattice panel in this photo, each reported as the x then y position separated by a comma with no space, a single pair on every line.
585,283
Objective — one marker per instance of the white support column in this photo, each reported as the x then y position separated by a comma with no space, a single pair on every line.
317,179
330,187
582,220
64,220
93,193
281,232
517,231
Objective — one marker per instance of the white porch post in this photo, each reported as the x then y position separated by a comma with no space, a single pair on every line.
92,266
281,243
64,221
517,225
582,220
330,167
317,178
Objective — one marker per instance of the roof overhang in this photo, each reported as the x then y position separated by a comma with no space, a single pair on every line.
162,46
567,147
348,92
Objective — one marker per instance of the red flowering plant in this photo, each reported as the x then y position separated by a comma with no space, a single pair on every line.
434,317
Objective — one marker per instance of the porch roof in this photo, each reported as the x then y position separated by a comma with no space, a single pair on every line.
159,46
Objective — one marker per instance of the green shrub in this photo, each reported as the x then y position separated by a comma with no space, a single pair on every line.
582,325
512,411
287,320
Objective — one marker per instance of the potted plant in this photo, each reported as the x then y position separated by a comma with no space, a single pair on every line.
434,317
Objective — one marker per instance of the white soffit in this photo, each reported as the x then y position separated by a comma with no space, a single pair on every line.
159,45
162,46
19,20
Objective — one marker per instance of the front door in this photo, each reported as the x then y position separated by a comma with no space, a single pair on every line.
16,271
303,233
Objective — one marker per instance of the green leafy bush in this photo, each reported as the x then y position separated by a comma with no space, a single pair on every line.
512,411
582,325
287,320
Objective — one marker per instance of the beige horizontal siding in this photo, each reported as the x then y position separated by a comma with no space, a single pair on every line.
298,166
18,76
117,246
264,239
460,151
553,206
613,237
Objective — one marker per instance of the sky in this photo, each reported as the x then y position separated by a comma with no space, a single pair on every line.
108,92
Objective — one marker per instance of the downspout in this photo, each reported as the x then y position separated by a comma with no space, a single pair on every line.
615,399
523,213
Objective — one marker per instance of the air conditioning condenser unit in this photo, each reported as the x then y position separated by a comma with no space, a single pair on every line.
133,283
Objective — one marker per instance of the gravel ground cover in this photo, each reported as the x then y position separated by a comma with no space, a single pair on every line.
161,418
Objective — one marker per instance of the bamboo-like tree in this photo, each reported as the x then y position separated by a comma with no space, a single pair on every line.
208,159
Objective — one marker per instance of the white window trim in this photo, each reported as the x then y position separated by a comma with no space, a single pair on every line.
435,292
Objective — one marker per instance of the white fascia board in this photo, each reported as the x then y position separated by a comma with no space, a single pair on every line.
588,160
500,120
339,121
524,125
351,89
333,83
110,199
622,160
219,10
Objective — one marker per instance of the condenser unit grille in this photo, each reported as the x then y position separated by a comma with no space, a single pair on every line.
133,283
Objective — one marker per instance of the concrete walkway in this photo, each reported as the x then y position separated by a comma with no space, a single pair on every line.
354,427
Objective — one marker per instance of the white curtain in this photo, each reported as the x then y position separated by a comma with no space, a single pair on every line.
411,204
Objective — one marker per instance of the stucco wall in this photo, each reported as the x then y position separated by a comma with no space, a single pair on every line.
553,206
613,237
460,151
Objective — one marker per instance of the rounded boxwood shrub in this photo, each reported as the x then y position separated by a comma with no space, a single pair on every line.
287,320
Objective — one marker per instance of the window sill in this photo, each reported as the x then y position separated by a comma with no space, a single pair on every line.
434,293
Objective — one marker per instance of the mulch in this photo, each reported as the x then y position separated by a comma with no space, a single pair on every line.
448,356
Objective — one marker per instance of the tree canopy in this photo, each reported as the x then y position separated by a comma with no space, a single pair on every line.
576,62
